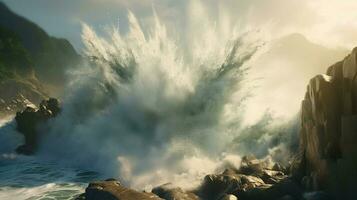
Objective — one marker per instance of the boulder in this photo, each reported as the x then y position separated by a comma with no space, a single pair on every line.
113,190
254,180
214,186
251,166
29,121
272,176
170,192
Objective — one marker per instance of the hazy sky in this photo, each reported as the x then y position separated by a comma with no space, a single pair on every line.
285,69
331,22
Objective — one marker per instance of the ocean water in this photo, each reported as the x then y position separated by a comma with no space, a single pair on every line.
33,177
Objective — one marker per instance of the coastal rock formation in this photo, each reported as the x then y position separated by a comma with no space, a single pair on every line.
170,192
49,57
29,121
328,137
253,181
19,86
33,64
113,190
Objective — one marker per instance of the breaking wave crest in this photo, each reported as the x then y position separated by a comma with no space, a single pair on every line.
148,109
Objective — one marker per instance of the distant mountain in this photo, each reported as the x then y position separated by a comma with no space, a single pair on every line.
32,63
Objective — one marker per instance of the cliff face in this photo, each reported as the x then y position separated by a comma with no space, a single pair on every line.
32,63
50,56
18,83
328,137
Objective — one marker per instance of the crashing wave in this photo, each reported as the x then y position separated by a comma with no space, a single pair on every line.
145,107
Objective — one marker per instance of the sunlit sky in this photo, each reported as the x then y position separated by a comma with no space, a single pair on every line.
329,28
331,22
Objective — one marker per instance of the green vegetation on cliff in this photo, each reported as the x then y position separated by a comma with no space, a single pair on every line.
50,57
14,58
33,64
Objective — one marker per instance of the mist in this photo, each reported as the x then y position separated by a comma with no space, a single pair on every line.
151,109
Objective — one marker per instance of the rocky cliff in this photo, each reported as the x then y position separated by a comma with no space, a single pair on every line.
30,120
32,63
328,137
50,56
18,83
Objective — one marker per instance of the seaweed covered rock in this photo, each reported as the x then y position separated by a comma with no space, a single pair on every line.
29,121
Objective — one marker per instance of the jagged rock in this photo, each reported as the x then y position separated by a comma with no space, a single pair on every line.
272,176
252,180
328,137
214,186
170,192
113,190
29,120
251,166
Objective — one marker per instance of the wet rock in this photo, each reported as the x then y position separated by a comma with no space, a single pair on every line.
272,176
214,186
113,190
252,179
29,121
251,166
328,154
268,184
170,192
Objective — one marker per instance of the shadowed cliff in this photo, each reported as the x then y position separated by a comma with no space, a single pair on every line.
50,56
32,63
328,153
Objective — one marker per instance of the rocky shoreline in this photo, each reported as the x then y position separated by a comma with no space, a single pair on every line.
325,167
254,180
